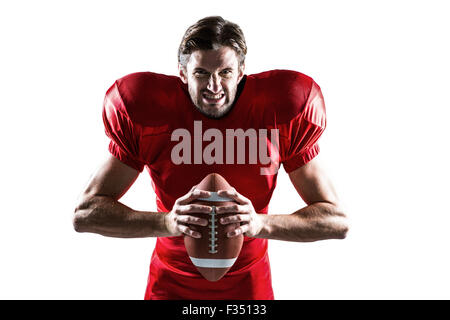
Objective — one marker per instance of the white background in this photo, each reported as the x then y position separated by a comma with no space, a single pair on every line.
383,67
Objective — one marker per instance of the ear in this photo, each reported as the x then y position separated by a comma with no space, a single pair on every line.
241,69
182,73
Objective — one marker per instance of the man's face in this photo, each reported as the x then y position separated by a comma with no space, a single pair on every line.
212,77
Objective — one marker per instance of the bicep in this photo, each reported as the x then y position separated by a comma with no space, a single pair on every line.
112,179
312,183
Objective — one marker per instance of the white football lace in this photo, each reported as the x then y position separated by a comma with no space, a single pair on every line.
212,232
214,197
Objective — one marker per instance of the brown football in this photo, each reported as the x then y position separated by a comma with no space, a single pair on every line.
214,253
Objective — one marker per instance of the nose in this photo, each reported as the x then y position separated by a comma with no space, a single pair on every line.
214,84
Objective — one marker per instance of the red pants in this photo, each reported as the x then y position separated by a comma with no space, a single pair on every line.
251,283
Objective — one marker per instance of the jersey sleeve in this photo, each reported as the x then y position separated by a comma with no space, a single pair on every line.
124,134
298,138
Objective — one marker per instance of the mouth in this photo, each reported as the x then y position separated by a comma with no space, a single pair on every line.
213,98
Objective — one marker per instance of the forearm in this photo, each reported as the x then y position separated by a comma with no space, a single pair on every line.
319,221
108,217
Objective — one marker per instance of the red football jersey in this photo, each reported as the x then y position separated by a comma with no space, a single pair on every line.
148,115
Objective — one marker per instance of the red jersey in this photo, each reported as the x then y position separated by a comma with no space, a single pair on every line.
141,113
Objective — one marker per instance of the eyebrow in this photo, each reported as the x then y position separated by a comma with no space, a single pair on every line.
203,69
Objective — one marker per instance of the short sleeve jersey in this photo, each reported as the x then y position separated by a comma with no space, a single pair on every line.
277,118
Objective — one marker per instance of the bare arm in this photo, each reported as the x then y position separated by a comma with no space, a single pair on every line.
321,219
99,211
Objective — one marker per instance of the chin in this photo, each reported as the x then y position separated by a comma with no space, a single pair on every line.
215,111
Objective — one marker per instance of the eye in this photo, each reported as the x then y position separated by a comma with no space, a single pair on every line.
200,73
226,72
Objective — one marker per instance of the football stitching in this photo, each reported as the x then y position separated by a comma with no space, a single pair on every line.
212,233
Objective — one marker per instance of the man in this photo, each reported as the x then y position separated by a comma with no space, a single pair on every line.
157,121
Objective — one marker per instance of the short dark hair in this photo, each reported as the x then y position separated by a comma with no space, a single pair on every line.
209,33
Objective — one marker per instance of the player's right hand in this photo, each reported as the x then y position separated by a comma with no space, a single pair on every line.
178,219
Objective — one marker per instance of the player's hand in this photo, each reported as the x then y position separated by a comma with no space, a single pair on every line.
178,219
251,223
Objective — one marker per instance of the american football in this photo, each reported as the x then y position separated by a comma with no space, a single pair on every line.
214,253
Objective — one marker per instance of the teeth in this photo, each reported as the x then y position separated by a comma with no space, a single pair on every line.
216,97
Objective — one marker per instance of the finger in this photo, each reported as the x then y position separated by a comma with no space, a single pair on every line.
192,220
193,195
238,231
192,208
191,233
235,219
233,194
233,208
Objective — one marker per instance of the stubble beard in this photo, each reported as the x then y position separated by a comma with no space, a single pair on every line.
211,111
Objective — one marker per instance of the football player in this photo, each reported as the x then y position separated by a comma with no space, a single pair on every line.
178,128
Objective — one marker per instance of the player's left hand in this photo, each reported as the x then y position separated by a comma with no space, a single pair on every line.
251,223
